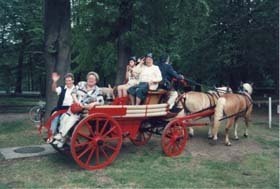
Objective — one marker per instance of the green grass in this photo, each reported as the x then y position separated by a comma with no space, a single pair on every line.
246,174
142,167
17,104
18,101
18,133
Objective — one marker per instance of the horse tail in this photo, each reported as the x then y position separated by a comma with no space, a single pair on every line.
219,111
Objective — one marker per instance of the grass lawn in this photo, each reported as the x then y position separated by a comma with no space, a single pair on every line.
255,167
29,101
17,104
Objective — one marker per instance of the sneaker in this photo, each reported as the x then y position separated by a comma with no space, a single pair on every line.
58,136
60,144
56,142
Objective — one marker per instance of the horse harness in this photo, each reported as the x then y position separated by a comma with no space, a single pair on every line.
211,97
248,105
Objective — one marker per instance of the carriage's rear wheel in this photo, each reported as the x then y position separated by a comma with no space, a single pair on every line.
143,135
96,141
174,138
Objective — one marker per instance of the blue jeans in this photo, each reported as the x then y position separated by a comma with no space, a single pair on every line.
55,124
139,90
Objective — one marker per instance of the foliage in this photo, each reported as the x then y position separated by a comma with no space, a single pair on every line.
213,42
21,22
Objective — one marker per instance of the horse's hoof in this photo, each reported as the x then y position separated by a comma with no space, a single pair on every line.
210,137
245,135
236,138
228,144
191,134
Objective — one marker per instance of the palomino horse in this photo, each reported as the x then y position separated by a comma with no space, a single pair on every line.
233,106
198,101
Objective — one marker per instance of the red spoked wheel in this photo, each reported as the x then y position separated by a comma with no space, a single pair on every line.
143,135
174,138
96,141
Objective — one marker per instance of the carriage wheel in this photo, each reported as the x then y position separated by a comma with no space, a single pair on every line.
174,138
96,141
143,135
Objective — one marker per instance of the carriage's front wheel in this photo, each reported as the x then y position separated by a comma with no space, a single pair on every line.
96,141
174,138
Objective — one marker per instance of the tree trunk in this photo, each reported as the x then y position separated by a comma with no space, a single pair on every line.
18,88
124,46
4,24
57,44
30,75
3,36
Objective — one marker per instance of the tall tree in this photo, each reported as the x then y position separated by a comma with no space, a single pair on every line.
57,43
123,44
21,35
19,75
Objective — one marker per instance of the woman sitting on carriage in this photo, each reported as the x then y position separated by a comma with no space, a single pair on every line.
86,95
149,79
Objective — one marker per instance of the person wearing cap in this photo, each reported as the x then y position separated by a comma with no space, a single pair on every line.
130,77
149,78
168,73
86,95
65,99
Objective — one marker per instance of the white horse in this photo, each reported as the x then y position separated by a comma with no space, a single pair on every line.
197,101
232,107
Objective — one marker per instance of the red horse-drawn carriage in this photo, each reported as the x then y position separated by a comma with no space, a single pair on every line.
95,141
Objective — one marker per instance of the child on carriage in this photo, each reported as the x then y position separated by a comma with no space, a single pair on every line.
131,77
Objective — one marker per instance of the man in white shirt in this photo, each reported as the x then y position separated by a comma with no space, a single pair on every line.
149,78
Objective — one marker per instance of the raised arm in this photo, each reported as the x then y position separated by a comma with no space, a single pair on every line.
55,78
138,68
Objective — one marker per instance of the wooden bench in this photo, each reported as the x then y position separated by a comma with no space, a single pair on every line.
155,97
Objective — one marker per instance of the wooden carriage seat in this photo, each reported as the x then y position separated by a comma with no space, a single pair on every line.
154,97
